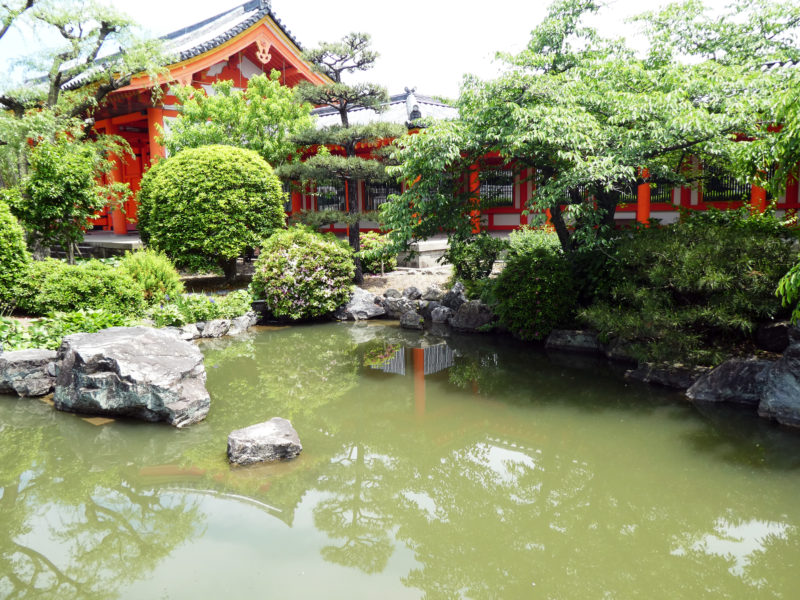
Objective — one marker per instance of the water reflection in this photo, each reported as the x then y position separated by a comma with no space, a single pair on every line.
500,474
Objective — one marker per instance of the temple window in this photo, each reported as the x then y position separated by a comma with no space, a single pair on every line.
497,187
377,194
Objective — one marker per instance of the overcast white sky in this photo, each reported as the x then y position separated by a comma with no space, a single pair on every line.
429,44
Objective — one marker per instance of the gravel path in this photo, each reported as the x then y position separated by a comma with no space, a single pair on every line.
406,277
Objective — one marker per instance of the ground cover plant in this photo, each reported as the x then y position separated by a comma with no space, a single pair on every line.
205,206
693,291
193,308
302,274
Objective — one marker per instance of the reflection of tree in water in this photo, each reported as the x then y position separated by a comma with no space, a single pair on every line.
82,533
358,490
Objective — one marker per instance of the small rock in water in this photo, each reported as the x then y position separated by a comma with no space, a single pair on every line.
412,320
27,372
265,442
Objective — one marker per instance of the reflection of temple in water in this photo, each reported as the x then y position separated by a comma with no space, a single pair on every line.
432,359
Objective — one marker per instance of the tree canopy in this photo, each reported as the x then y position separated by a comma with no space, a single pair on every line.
589,116
265,117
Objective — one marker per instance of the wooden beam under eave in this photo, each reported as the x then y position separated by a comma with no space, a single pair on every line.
129,118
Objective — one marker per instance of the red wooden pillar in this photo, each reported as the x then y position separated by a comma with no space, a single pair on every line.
297,199
418,364
474,196
643,199
118,220
155,116
792,190
758,198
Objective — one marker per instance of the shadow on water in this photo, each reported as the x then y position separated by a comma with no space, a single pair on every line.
433,466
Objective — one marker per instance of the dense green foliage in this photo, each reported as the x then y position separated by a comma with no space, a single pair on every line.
14,257
473,257
302,274
377,255
52,285
61,193
587,114
534,293
692,291
263,118
49,331
209,204
527,239
789,291
194,308
154,273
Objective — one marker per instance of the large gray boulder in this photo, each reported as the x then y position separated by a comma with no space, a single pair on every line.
139,372
215,328
455,297
412,293
241,324
412,320
441,314
426,308
471,317
433,294
573,340
264,442
27,372
678,377
737,380
362,305
397,307
773,337
781,397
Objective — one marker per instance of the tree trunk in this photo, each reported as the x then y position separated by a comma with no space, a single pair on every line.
557,219
70,253
354,230
229,268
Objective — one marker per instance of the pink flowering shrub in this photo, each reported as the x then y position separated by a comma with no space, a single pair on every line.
301,274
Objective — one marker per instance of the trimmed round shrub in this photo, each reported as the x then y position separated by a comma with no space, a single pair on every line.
535,293
54,286
302,275
14,256
374,255
155,274
205,206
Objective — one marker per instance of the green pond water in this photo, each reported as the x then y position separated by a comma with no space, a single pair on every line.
459,467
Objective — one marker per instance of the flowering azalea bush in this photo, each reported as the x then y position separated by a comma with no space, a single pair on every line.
301,274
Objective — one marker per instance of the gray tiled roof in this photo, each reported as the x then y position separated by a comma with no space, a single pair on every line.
207,35
398,110
191,41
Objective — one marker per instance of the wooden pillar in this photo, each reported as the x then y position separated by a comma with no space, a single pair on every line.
155,116
792,190
474,197
118,221
418,364
643,199
758,198
297,199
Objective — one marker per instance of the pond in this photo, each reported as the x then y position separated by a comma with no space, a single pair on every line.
433,467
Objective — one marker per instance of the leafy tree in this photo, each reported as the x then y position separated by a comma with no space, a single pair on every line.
589,116
99,52
264,117
13,256
342,163
61,193
207,205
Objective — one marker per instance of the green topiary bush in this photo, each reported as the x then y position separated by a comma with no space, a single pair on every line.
302,274
52,285
692,292
535,293
155,274
14,256
205,206
374,255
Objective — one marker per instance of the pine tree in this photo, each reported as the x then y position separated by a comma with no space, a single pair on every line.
342,163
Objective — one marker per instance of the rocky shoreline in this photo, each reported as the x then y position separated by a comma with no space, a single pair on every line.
771,387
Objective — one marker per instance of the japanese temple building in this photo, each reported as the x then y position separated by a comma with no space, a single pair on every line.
249,40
